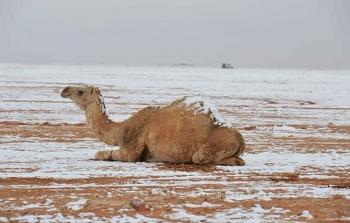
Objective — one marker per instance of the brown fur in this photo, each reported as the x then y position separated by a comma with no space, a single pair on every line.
172,133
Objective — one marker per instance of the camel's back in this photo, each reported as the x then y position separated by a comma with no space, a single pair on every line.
188,114
177,130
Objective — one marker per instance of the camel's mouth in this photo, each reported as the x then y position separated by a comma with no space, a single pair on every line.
65,93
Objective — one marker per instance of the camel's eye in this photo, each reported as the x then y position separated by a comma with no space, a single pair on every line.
80,93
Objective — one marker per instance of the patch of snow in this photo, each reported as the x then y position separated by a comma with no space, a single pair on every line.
4,219
202,205
11,207
318,176
284,128
201,106
254,214
86,215
306,214
183,215
133,219
109,194
286,131
48,202
77,204
287,161
31,218
263,191
89,217
157,191
345,218
29,206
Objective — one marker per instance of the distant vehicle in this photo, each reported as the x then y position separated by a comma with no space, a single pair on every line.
226,66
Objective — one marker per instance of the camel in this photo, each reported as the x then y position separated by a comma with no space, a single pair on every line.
185,131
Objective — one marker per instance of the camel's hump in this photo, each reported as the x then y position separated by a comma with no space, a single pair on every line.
200,106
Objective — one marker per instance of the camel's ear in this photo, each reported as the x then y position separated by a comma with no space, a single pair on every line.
97,91
93,90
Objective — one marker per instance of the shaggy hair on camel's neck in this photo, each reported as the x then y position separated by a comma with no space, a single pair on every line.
100,101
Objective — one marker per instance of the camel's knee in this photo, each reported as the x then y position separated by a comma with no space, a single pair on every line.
103,155
226,142
202,157
125,155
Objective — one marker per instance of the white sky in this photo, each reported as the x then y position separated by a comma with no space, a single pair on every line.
247,33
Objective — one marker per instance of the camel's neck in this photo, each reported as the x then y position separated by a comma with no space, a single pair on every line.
104,128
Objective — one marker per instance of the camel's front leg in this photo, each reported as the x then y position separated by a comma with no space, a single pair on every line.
125,155
104,155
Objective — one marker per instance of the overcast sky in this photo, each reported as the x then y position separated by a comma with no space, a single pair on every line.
247,33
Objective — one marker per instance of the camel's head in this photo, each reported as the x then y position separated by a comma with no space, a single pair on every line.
82,96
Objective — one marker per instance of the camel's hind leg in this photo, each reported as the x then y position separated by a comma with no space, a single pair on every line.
232,161
223,147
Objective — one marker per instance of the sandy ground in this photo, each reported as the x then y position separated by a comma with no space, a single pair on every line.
298,152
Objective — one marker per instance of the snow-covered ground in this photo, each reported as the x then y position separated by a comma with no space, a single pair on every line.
295,122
